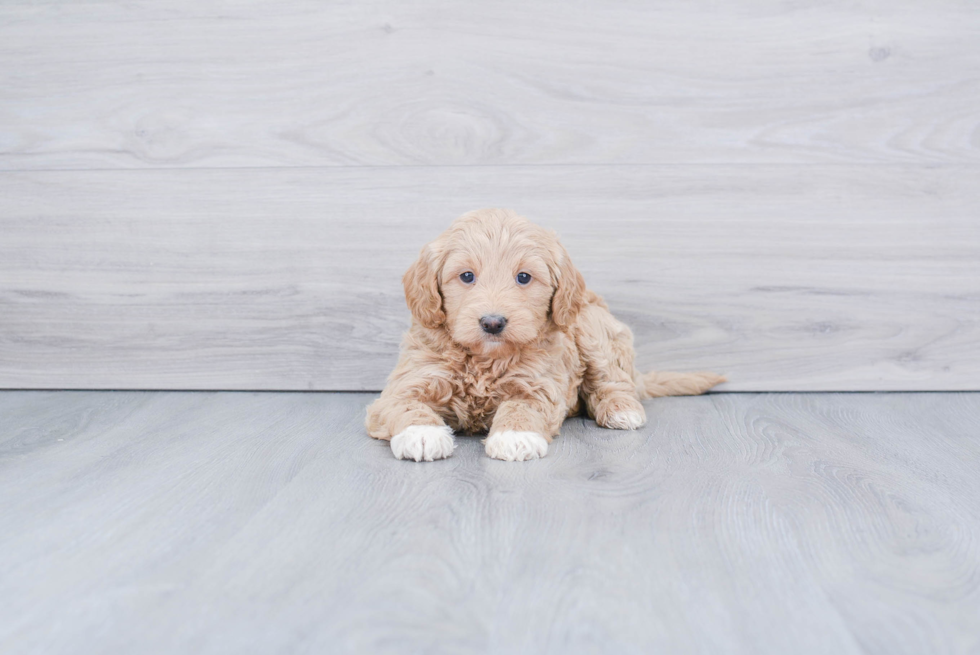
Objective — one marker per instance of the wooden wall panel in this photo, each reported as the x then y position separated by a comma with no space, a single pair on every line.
107,84
224,195
849,277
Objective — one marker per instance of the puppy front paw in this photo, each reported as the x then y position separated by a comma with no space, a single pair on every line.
513,446
423,443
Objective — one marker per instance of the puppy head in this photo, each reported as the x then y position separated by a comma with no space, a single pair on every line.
494,281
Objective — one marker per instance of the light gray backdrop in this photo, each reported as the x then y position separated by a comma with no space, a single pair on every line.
224,195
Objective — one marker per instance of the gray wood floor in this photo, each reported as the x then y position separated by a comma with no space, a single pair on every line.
268,522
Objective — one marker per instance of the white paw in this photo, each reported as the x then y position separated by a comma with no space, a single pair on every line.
512,446
423,442
625,420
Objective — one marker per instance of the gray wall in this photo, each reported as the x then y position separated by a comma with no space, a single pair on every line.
212,195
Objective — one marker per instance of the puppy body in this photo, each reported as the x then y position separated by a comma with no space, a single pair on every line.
558,346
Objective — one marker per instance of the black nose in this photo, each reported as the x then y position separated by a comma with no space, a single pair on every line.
493,324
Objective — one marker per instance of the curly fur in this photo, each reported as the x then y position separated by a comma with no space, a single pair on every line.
561,346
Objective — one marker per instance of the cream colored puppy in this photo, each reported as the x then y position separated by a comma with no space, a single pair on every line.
506,339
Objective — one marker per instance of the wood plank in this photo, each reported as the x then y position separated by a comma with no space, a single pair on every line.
249,522
105,84
798,278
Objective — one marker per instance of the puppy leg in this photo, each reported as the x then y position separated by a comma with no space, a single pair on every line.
413,428
616,406
609,385
522,429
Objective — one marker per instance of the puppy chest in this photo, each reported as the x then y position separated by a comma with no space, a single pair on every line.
477,398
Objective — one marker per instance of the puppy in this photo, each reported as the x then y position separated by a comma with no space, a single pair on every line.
506,339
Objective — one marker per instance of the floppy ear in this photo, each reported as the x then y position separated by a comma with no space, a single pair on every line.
421,282
569,289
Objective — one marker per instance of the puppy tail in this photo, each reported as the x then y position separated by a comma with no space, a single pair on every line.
662,383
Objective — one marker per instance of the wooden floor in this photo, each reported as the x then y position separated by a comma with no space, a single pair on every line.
142,522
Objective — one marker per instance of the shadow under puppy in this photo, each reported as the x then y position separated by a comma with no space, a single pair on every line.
506,339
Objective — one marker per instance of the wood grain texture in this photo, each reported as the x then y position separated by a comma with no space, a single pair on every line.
785,193
249,522
845,278
107,84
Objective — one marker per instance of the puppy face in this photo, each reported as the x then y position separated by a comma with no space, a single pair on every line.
494,281
496,289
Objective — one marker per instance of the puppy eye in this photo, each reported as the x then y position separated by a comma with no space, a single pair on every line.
467,277
523,278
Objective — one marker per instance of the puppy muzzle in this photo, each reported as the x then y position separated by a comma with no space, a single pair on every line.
493,323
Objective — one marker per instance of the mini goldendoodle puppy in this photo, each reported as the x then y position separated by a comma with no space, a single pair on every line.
506,339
